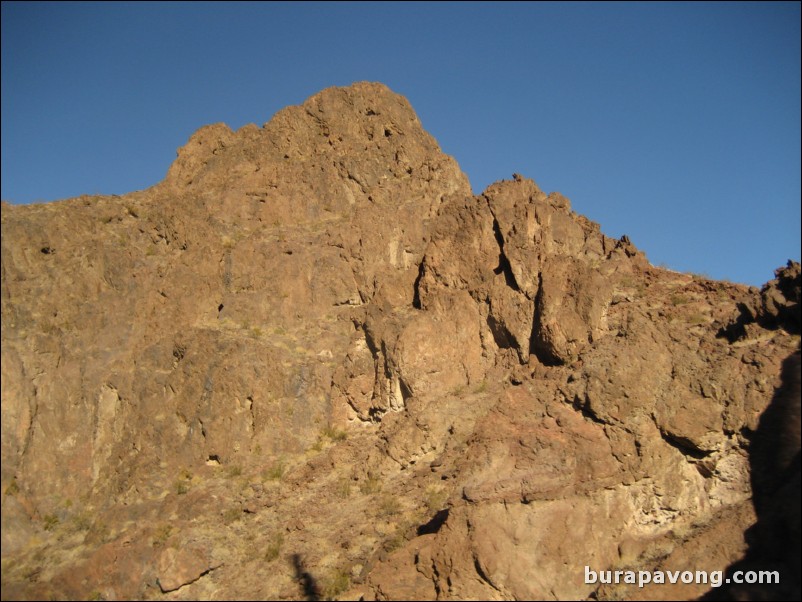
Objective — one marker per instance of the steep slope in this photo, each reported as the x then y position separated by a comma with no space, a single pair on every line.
311,363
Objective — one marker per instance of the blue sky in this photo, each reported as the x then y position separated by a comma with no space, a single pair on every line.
677,124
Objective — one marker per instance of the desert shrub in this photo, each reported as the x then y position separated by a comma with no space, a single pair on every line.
481,387
274,472
435,498
371,485
343,489
82,521
337,583
232,515
274,547
50,522
334,434
13,488
389,506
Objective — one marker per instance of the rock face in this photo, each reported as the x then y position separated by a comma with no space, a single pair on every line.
311,363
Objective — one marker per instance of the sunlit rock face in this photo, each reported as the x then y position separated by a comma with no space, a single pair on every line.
311,363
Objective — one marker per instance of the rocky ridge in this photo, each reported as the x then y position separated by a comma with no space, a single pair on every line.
311,363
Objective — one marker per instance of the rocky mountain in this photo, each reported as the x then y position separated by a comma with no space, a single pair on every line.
310,363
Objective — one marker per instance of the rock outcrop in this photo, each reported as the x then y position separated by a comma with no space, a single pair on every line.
311,363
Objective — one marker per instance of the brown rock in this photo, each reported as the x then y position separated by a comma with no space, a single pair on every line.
180,567
311,363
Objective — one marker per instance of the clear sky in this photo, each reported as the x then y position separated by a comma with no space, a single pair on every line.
677,124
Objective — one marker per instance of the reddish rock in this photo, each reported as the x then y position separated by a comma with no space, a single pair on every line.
311,363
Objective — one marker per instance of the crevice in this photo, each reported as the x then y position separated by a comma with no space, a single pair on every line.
536,346
416,303
252,415
501,335
183,585
376,414
179,351
406,392
374,350
504,265
482,575
586,411
684,446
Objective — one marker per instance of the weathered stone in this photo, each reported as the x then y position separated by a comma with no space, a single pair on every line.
311,363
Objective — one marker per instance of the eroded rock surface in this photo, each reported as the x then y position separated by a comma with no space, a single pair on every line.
311,362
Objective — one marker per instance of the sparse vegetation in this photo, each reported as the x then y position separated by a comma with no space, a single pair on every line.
435,498
232,515
82,521
161,535
337,583
274,547
457,391
389,506
343,489
50,522
481,387
99,532
233,471
370,485
274,472
13,488
397,540
335,434
678,299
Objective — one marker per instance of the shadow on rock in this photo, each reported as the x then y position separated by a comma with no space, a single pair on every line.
774,540
305,579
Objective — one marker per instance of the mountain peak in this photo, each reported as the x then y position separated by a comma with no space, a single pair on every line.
311,355
362,137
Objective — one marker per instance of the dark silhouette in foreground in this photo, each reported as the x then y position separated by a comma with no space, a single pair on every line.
774,540
307,582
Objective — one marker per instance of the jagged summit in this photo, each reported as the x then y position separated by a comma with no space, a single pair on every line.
311,362
343,146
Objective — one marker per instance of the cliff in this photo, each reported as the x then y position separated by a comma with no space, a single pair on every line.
311,363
